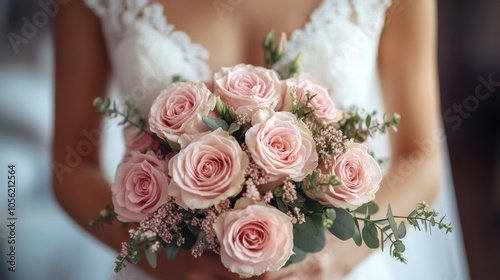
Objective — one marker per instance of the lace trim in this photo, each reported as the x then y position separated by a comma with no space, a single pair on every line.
364,12
117,16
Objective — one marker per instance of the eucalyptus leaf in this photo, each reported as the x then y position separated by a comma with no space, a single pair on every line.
357,234
368,121
215,123
310,235
370,206
298,202
343,226
174,146
150,256
233,128
189,238
313,205
172,250
402,230
137,258
400,247
281,205
298,256
370,236
392,223
193,229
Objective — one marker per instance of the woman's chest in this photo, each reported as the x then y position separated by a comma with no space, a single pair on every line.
232,30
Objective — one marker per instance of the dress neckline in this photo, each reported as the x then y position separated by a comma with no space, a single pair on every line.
189,46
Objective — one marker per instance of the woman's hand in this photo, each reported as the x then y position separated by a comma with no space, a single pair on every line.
335,261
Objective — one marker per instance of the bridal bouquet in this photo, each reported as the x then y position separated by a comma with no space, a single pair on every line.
256,168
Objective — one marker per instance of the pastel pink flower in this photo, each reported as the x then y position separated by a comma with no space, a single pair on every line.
140,186
283,146
360,177
137,142
179,110
247,88
254,238
208,170
325,108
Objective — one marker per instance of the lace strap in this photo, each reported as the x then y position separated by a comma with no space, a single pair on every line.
118,15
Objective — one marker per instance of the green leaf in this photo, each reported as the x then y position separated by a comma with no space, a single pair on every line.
215,123
151,257
299,201
401,230
172,250
136,242
281,205
174,146
371,206
370,235
313,205
368,121
233,128
189,238
392,222
298,256
135,259
400,247
343,226
310,235
194,229
357,234
382,240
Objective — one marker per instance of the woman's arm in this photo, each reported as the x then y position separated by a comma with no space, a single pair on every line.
409,79
81,74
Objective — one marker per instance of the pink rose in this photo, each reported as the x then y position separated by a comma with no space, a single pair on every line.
208,170
140,186
283,146
254,238
137,142
325,108
360,177
179,109
246,88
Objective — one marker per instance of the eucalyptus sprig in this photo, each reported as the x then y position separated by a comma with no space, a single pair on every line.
130,115
106,216
359,126
375,233
274,50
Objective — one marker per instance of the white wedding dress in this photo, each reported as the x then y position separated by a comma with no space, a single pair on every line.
339,46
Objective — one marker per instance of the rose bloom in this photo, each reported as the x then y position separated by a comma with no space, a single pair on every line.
140,186
360,177
246,88
137,142
283,146
208,170
179,109
254,238
325,108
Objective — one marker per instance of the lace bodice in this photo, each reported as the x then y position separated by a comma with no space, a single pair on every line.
339,47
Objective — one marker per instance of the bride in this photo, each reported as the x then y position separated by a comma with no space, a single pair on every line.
373,54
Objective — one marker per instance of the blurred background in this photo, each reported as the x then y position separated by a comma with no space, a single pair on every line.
469,59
